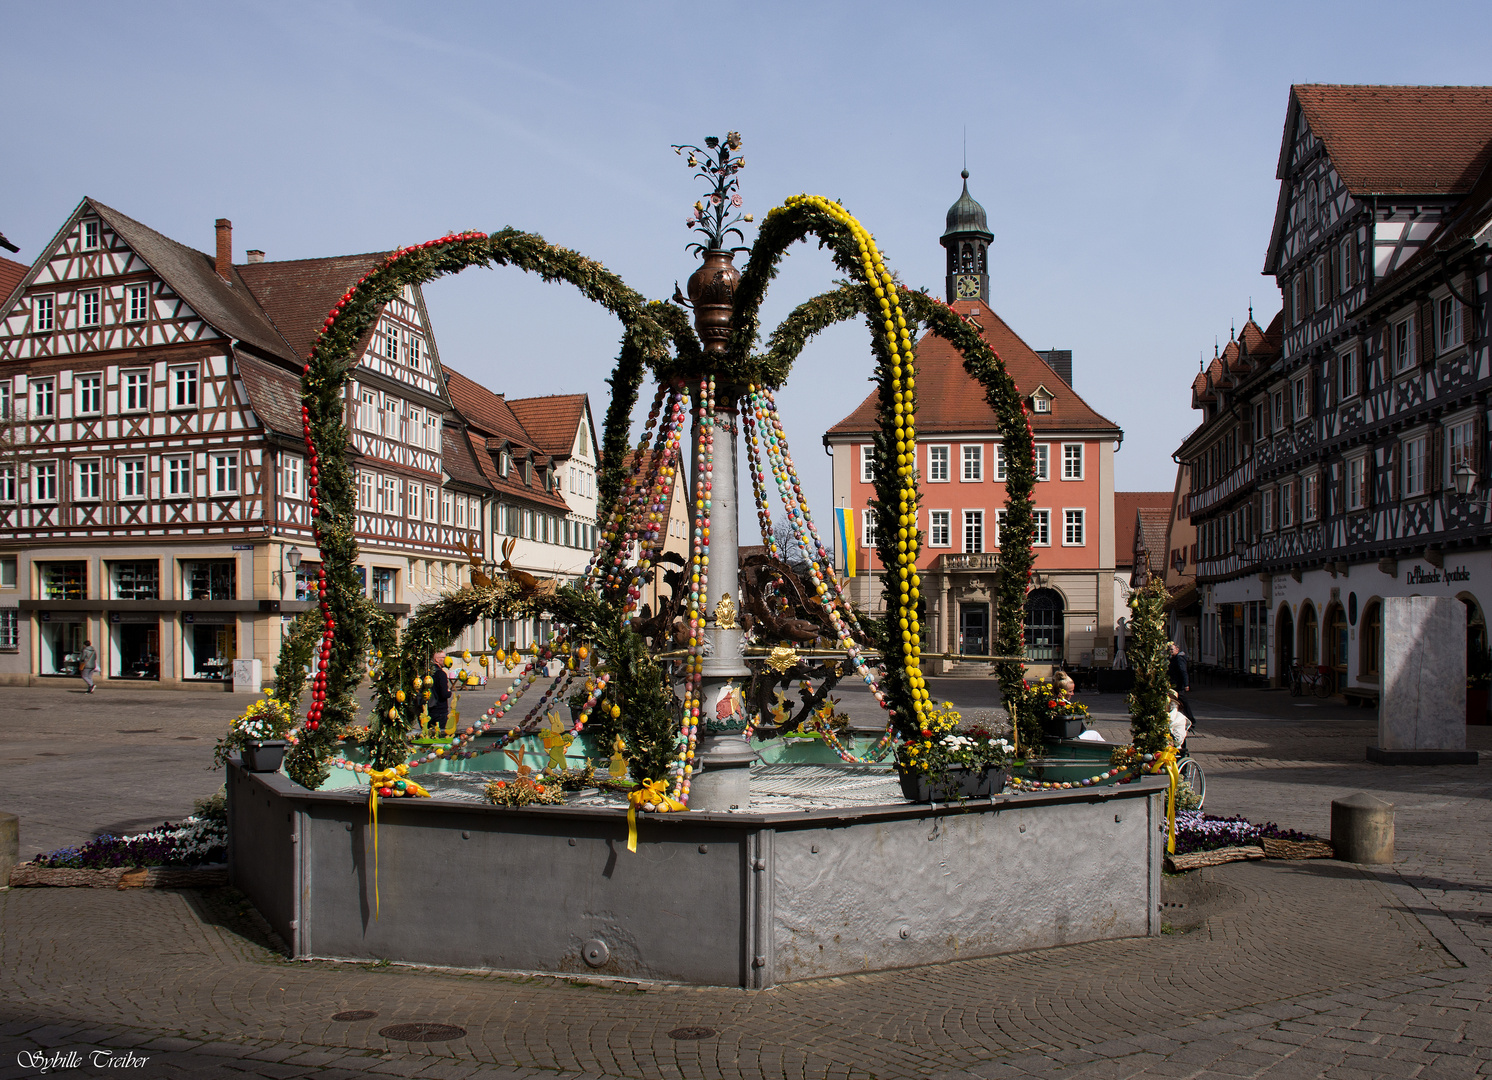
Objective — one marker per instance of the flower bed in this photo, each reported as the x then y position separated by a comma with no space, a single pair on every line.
1196,832
198,840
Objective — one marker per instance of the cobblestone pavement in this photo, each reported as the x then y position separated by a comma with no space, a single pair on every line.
1313,969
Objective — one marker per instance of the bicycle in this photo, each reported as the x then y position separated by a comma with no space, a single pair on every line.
1316,681
1191,773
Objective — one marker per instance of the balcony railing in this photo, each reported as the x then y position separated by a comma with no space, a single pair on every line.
1229,485
985,561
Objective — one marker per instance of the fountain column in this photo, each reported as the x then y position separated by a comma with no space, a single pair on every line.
722,777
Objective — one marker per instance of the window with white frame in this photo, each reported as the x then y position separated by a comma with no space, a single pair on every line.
1041,528
44,482
224,469
1072,461
393,426
1072,528
1347,375
10,628
43,313
390,340
999,465
1357,482
973,463
1260,419
937,464
867,463
7,483
89,308
940,528
412,500
1401,344
1319,281
1415,453
87,480
367,497
1448,332
43,397
135,390
132,478
412,349
1287,504
291,476
178,476
1266,513
432,431
369,415
1041,403
138,302
431,502
1043,461
1278,398
1310,491
973,532
89,394
184,387
1345,266
999,526
1459,448
868,528
1300,398
388,495
90,235
448,511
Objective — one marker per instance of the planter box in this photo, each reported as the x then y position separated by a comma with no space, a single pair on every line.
265,756
955,784
1059,728
119,877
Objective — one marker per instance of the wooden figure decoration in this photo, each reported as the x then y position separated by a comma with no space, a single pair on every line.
556,740
528,585
478,576
618,759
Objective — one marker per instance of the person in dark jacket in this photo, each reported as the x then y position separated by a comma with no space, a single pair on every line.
440,696
1181,681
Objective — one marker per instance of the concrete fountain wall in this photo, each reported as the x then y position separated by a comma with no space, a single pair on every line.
726,899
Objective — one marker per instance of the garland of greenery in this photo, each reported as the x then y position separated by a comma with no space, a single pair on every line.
1148,651
341,655
296,650
982,363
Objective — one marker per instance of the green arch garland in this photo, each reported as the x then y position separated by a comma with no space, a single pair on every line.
340,656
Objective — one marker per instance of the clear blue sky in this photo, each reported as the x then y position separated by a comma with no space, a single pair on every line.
1125,153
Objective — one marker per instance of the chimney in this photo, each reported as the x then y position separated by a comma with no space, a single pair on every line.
224,265
255,255
1060,361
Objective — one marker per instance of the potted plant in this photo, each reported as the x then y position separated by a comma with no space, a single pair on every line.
948,763
258,736
1049,704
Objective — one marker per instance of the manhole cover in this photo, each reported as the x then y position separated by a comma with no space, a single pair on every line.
422,1032
691,1033
139,731
354,1014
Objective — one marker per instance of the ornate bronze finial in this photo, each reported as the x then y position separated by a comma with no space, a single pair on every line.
712,288
725,613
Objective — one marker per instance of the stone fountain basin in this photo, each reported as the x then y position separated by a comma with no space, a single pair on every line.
726,899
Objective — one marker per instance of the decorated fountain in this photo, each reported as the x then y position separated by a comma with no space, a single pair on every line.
671,872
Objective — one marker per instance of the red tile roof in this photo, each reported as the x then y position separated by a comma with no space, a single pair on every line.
274,393
489,413
1399,140
296,294
950,401
1153,530
551,421
1126,507
492,425
11,273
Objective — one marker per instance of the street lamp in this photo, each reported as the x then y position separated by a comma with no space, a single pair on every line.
293,558
1464,477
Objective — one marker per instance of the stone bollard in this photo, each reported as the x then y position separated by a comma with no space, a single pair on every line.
1362,829
10,845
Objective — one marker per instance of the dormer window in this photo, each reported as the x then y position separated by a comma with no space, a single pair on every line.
504,463
1041,400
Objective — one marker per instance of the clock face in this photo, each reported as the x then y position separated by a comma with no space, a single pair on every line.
967,286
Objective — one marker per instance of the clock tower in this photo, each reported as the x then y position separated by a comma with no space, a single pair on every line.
967,239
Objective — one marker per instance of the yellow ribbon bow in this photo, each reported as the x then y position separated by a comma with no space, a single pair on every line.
654,792
381,778
1166,759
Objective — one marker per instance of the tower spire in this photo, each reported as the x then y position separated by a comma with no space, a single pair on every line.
967,238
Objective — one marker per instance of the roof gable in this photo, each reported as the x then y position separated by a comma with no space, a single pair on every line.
553,421
296,294
950,401
1127,505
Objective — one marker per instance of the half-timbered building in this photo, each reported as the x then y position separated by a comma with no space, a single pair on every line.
153,493
1070,613
1375,408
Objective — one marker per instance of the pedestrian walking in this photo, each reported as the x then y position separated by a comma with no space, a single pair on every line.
1180,680
88,665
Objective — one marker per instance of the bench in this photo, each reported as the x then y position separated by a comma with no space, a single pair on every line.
1361,695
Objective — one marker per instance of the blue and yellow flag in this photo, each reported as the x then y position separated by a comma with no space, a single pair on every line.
846,518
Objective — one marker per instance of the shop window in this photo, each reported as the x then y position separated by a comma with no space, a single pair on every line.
134,646
63,580
307,584
209,579
62,639
208,650
135,580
